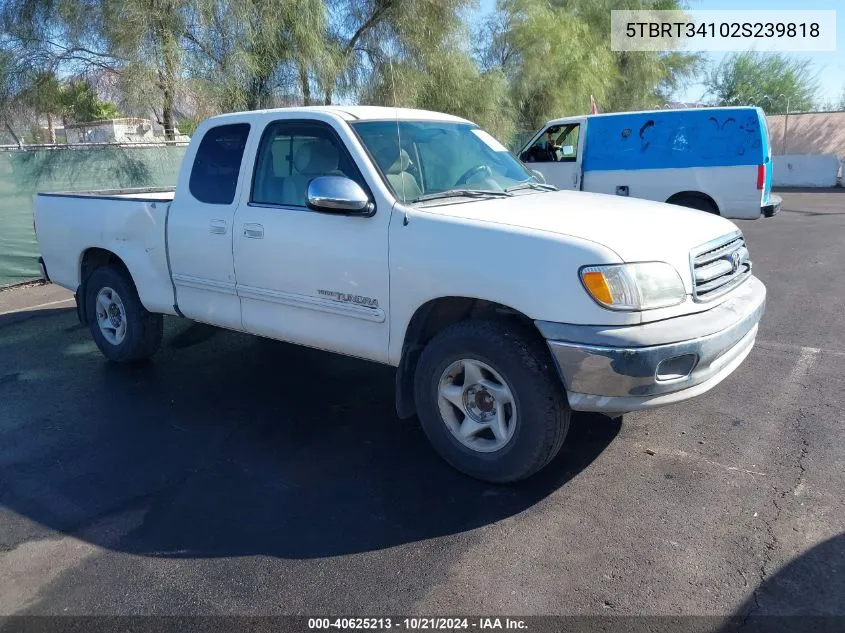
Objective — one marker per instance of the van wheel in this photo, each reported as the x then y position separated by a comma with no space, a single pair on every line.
695,202
490,402
122,328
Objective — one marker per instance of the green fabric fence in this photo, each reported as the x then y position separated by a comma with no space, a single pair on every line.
23,173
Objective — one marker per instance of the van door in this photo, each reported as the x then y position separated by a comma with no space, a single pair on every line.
556,153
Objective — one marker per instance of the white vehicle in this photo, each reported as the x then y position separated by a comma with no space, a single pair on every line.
503,304
713,159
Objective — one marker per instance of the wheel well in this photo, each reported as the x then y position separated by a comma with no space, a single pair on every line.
696,195
433,317
92,259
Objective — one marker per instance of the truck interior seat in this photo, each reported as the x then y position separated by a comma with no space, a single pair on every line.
317,158
396,170
270,187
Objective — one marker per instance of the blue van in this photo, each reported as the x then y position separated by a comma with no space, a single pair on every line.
713,159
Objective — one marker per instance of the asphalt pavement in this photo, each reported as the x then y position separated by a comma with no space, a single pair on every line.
238,475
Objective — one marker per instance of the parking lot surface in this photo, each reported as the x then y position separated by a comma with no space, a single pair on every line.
236,475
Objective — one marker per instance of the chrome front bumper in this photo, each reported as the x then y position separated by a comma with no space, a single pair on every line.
620,369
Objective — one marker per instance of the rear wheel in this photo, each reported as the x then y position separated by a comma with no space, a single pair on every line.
695,202
122,328
490,402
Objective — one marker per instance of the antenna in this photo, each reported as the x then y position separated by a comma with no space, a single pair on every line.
398,139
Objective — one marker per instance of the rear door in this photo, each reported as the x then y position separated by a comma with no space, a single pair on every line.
556,153
199,227
767,168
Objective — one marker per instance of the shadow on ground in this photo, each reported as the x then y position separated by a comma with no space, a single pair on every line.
229,445
807,594
25,315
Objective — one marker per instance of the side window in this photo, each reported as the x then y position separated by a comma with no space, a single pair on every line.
567,143
558,143
290,155
214,174
541,150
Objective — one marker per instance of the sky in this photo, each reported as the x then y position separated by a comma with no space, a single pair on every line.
829,66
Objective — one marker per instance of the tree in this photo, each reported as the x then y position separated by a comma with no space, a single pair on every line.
539,59
73,101
446,81
147,36
363,36
80,104
44,97
135,39
773,81
557,53
12,77
245,51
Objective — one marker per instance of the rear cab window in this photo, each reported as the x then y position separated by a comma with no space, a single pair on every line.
217,164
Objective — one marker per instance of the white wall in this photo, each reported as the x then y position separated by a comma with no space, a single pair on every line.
811,170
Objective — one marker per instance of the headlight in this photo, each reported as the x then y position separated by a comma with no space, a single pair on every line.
643,286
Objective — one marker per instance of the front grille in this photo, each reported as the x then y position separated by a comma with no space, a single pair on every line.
719,266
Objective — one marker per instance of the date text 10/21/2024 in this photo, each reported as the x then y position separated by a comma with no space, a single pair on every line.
417,624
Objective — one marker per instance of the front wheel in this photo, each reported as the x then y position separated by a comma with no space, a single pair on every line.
490,402
122,328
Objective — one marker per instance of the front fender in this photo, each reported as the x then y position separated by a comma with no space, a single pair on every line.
532,272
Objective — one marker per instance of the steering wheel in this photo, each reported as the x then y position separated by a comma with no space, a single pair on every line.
472,171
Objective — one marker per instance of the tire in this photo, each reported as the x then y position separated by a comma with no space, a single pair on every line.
695,202
536,419
132,333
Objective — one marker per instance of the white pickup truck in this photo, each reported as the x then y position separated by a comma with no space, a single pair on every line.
415,239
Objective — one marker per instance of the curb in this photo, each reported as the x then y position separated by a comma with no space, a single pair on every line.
32,283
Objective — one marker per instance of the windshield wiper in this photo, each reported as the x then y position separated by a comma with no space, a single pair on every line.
462,193
531,184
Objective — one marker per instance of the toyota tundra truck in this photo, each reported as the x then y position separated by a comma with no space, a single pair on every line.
415,239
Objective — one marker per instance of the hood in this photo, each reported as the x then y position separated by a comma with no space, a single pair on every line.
635,229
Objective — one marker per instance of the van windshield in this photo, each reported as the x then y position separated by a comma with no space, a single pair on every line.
434,157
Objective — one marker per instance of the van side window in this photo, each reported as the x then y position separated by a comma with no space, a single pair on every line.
291,155
557,143
214,174
568,143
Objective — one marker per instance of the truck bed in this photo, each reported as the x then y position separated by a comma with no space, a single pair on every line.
131,223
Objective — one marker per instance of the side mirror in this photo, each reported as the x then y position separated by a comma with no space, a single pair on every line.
539,176
338,194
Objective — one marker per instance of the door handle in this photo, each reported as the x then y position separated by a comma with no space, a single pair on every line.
217,227
255,231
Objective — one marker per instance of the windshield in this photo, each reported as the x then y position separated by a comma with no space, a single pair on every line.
439,156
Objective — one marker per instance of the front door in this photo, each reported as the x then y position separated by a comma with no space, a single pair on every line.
317,279
555,153
200,225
